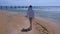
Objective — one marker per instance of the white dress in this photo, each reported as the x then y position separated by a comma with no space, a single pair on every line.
30,13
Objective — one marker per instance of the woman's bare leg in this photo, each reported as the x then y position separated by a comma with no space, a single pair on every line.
29,28
30,23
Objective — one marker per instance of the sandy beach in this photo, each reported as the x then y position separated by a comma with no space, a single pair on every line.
13,23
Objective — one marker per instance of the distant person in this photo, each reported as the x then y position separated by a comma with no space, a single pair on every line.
30,15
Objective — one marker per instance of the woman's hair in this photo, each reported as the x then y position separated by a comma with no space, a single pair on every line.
30,6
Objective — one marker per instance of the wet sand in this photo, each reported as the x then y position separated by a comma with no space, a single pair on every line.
13,23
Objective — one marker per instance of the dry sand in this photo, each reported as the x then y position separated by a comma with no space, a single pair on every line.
13,23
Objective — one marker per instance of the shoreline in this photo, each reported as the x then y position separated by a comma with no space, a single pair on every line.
49,19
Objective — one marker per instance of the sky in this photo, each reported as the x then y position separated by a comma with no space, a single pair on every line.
29,2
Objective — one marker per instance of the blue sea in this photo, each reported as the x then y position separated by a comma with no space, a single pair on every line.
49,12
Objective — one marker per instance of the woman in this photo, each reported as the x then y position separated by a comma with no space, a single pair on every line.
30,15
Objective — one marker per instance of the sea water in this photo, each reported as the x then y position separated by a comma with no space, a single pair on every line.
49,12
